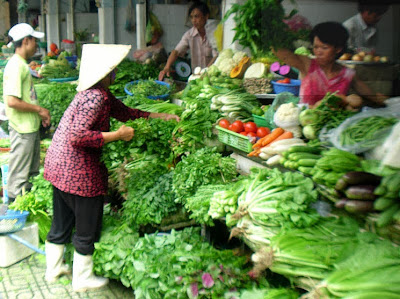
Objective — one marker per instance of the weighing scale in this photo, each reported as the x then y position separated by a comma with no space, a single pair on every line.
182,69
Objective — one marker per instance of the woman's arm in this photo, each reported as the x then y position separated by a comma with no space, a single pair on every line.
365,91
300,62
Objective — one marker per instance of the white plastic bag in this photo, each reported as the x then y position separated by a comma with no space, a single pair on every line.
337,138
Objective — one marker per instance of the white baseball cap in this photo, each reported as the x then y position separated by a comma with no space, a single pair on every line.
22,30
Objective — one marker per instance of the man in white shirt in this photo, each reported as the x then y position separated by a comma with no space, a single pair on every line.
362,26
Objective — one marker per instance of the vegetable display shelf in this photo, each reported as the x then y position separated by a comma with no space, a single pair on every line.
234,139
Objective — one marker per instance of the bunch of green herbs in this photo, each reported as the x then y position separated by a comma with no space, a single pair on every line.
148,88
204,167
260,26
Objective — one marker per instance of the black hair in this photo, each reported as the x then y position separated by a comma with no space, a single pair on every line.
200,6
331,33
18,43
379,9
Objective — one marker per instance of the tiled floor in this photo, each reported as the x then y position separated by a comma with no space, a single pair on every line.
25,280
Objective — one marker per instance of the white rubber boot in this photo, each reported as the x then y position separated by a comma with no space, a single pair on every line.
83,277
54,262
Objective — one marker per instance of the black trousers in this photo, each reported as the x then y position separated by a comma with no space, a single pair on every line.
83,213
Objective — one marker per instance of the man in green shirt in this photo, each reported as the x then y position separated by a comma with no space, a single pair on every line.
23,111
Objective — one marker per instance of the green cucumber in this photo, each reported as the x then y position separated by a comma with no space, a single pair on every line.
387,216
307,162
306,170
298,156
304,149
383,203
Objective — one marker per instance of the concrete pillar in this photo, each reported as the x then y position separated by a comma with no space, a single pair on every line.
52,23
141,25
70,16
229,25
106,22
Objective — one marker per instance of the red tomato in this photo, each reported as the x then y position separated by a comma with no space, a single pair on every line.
284,81
250,127
224,123
238,125
243,133
262,131
251,134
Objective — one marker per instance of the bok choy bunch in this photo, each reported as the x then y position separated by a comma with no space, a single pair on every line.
236,105
372,270
309,252
283,200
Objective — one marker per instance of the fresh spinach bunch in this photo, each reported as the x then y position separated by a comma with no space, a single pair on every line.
203,167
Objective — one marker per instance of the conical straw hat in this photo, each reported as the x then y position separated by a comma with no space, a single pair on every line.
97,61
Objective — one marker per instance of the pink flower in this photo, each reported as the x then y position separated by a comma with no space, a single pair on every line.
193,291
207,279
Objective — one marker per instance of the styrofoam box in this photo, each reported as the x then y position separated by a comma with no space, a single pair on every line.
12,251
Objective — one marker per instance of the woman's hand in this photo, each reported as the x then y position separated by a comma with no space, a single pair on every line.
125,133
165,116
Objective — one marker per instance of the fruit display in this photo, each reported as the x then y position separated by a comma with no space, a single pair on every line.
364,57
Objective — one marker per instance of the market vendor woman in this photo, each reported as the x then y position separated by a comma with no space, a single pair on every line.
73,166
323,74
201,52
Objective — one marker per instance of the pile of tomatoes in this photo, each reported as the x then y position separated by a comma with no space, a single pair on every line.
284,81
248,129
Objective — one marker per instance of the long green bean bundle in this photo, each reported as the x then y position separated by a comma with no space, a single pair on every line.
368,131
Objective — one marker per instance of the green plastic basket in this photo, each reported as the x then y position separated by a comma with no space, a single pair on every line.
234,139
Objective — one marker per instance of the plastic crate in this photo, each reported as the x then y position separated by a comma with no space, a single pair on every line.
293,87
260,121
234,139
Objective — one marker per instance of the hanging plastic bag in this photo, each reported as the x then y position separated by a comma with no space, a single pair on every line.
282,98
153,29
365,130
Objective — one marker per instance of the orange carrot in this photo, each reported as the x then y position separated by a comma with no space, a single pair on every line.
254,153
272,136
285,135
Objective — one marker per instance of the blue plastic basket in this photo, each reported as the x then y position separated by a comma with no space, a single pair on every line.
292,87
164,96
13,221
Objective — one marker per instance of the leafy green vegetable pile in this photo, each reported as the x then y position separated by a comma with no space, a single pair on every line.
150,195
203,167
129,71
56,98
176,265
58,68
152,135
148,88
260,26
38,202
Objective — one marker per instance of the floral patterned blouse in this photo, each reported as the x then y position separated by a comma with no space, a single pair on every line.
72,162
